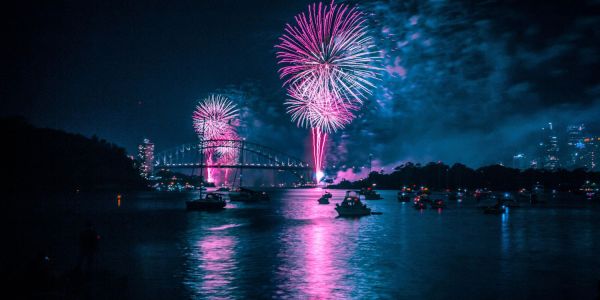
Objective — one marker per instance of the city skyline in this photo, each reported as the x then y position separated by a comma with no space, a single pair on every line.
449,91
579,149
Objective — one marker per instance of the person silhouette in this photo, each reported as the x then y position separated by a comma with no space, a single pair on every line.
88,246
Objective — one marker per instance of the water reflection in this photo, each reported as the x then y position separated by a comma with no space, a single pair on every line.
314,262
505,229
212,264
315,252
294,248
321,275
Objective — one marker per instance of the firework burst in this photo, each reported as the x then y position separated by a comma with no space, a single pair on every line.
319,109
327,65
331,44
215,119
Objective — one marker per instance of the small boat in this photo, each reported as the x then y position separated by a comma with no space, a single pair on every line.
538,194
482,195
494,210
457,195
437,204
325,198
511,203
508,200
351,206
590,190
405,196
420,205
247,195
370,194
420,202
211,201
524,194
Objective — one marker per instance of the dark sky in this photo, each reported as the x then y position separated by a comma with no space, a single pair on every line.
462,81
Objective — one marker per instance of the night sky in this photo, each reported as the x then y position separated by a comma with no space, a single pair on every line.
463,82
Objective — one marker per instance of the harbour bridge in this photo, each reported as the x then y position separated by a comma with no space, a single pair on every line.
249,156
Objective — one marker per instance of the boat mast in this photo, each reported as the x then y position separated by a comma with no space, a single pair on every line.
241,157
202,154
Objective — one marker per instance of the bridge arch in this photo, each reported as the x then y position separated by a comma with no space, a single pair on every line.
250,156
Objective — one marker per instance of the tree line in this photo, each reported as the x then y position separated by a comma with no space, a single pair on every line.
49,159
439,176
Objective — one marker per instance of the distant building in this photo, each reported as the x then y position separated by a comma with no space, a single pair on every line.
519,161
575,146
590,151
549,149
533,164
146,157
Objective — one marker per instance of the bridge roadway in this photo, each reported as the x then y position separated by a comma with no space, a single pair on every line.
236,166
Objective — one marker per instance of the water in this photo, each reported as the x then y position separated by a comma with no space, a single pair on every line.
294,248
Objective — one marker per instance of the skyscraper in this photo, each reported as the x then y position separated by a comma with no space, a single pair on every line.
575,146
519,161
549,149
146,156
590,153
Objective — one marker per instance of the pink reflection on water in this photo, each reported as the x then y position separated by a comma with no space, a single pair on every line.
318,263
214,272
324,262
216,254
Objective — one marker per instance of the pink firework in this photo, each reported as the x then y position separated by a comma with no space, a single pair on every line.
215,119
213,116
313,108
327,63
330,43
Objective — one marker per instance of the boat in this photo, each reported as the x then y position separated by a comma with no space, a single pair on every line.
247,195
457,195
211,201
538,194
370,194
511,203
494,210
325,198
420,202
420,205
482,195
405,196
351,206
524,194
437,204
590,190
508,200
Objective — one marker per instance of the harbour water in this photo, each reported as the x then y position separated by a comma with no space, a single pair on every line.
292,247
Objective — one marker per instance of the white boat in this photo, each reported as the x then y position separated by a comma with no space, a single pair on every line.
351,206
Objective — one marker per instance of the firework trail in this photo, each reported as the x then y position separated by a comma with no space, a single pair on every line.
215,118
227,152
327,64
